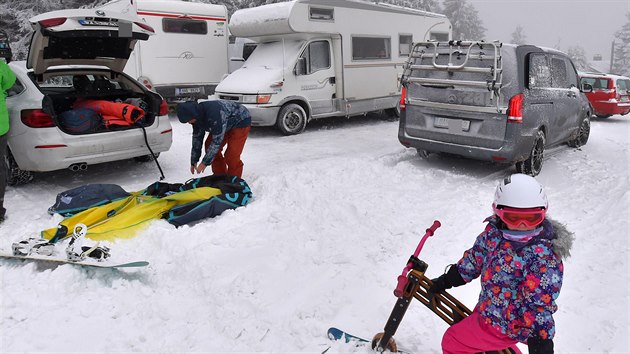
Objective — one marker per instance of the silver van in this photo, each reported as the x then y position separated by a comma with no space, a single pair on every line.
492,101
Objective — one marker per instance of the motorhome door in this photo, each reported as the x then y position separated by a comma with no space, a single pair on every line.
316,76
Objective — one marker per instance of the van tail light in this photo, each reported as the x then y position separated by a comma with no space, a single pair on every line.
36,118
163,108
515,109
403,96
145,27
52,22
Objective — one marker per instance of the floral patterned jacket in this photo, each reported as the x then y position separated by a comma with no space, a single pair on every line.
519,281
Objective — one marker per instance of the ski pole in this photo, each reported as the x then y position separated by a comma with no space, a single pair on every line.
402,279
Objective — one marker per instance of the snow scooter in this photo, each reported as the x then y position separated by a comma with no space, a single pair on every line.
412,283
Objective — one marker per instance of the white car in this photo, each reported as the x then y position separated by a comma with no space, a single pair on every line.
78,56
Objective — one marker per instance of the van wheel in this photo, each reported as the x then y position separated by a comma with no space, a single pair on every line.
534,162
15,176
146,158
582,135
291,119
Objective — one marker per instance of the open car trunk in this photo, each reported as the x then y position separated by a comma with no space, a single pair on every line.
96,101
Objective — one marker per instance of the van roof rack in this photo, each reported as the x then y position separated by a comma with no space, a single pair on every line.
456,56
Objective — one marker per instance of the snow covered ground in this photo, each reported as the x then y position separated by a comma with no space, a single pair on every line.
335,215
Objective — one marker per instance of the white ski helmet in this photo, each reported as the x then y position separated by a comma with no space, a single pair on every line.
520,191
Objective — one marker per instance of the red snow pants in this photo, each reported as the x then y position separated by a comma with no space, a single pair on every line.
229,163
473,335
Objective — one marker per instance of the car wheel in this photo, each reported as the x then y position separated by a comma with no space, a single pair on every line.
146,158
291,119
582,135
534,162
16,176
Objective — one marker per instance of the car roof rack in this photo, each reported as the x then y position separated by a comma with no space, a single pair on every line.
456,56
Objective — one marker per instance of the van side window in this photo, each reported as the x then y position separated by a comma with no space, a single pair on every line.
317,55
404,44
371,48
539,71
184,25
559,73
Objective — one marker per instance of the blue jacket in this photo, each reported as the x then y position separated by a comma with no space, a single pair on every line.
216,117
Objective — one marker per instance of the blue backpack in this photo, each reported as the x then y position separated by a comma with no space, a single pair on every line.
80,121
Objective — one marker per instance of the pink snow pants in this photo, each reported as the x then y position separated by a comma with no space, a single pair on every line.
472,335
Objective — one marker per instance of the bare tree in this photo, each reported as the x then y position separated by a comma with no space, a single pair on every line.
621,54
578,56
518,37
465,20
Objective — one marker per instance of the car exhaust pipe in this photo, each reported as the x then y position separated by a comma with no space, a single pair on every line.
76,167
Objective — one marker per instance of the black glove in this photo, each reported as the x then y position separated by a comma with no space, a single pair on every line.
540,346
446,281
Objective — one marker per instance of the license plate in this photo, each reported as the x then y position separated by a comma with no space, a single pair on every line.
98,23
440,122
183,91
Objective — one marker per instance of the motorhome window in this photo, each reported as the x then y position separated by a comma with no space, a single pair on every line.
184,25
320,14
231,39
539,71
317,56
371,48
559,77
404,44
248,49
438,36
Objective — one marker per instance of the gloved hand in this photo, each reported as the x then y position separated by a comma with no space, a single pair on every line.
446,281
540,346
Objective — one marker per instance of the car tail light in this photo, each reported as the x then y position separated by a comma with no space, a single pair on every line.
52,22
146,82
163,108
403,96
36,118
144,26
515,109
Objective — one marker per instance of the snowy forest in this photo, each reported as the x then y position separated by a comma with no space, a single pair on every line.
467,24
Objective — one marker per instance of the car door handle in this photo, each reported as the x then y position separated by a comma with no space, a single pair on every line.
572,94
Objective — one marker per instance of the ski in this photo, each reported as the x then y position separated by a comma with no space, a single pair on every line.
336,334
84,263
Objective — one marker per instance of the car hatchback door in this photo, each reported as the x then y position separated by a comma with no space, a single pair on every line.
84,37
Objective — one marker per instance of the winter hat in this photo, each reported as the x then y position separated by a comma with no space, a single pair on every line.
187,110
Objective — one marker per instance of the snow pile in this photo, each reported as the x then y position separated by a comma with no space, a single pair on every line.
335,214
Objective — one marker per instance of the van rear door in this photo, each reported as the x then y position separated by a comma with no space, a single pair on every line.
455,92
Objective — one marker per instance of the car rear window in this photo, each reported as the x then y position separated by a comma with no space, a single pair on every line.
623,85
597,83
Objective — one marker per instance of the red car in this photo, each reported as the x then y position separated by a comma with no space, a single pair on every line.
610,94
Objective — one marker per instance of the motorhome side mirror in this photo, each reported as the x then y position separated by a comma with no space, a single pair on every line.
300,67
586,88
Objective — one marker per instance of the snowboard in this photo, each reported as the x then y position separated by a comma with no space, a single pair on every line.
338,334
84,263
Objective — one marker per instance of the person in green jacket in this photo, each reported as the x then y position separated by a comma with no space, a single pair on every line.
7,79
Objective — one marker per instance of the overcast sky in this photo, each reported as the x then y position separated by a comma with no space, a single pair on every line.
590,24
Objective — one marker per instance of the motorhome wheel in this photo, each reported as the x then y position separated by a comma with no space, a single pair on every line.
291,119
534,162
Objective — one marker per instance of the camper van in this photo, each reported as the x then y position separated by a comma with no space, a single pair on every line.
187,57
318,58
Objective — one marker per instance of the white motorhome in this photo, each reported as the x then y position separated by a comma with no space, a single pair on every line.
320,58
188,56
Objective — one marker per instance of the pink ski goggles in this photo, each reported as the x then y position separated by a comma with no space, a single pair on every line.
515,217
